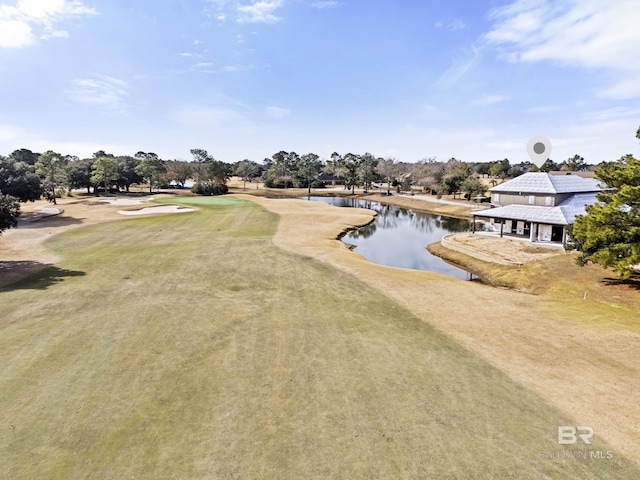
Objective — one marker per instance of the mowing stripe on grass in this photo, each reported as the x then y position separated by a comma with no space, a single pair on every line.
192,347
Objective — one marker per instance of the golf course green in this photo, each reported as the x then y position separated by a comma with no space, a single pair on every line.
190,346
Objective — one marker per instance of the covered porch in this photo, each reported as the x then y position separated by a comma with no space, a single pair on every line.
532,224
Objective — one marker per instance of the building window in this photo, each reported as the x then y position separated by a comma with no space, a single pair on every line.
496,197
547,201
532,199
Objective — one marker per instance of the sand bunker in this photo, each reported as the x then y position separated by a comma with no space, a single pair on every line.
125,202
159,209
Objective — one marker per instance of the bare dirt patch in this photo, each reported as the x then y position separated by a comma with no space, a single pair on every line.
503,250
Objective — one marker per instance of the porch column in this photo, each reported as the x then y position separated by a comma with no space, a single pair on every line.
532,230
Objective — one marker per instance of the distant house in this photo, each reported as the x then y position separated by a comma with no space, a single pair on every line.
539,206
329,179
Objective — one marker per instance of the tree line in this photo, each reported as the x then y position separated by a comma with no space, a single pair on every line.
28,176
609,234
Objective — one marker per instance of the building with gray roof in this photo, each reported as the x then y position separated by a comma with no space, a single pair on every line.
539,206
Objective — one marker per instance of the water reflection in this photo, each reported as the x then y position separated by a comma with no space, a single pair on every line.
399,236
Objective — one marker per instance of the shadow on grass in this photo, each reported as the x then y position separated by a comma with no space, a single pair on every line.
40,221
27,275
633,282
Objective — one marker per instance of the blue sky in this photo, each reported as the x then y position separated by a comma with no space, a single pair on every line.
244,79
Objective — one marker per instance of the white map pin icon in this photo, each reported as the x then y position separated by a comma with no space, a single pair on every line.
539,149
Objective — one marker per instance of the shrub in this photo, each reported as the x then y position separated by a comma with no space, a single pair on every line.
278,183
208,188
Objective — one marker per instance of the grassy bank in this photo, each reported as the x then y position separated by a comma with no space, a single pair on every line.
189,346
522,278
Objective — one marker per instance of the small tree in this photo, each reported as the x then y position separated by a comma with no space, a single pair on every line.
150,167
104,170
308,168
211,174
246,170
609,234
9,212
368,165
452,184
52,167
386,168
280,169
127,174
574,164
179,171
429,174
473,187
499,168
332,166
80,173
549,166
349,171
18,180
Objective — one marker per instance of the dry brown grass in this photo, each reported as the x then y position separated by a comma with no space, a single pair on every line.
458,211
234,343
582,355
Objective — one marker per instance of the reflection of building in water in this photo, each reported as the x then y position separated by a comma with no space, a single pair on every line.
539,206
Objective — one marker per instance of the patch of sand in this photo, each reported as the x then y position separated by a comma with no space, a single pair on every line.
502,250
158,209
591,374
125,201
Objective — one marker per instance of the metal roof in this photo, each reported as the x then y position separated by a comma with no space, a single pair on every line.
563,214
541,182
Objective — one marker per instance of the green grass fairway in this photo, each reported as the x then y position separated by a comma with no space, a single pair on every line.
188,346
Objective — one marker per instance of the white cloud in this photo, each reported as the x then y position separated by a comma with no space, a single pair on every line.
456,25
237,68
101,90
613,113
277,113
485,100
56,34
585,33
14,34
461,65
245,11
259,12
324,4
452,26
17,21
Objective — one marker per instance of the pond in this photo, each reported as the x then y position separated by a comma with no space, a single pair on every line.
399,236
